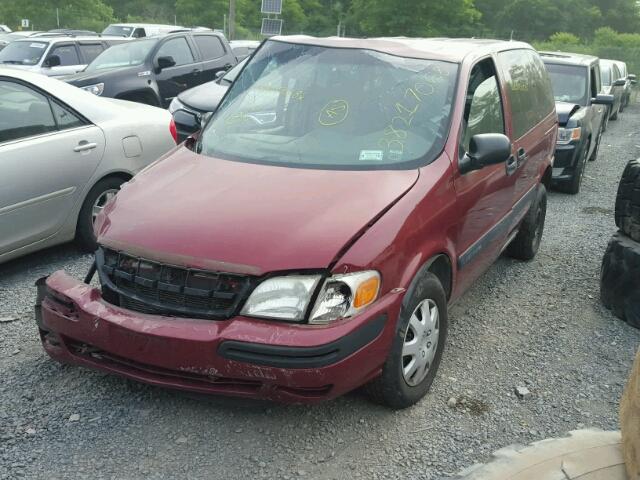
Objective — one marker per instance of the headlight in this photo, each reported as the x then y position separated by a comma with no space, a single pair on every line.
96,89
345,295
288,297
283,298
175,105
566,135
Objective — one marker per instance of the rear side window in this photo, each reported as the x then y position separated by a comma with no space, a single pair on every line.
178,49
90,51
139,33
67,53
65,118
528,88
483,107
210,46
23,112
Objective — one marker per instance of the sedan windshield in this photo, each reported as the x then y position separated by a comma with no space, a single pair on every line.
321,107
123,55
569,83
23,53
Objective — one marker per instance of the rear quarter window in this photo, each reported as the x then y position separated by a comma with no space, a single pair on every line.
210,46
528,88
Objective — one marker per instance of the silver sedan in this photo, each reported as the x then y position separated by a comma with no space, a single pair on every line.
63,154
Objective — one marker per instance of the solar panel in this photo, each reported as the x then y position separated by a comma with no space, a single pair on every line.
271,26
272,6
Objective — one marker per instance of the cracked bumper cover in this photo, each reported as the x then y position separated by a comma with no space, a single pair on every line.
240,356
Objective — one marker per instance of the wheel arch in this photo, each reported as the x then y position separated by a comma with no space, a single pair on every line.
121,174
439,265
145,93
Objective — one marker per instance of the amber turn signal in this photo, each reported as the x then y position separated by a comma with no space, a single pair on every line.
367,292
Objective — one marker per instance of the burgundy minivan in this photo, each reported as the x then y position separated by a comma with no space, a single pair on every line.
311,238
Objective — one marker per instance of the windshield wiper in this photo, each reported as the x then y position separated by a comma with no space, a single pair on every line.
13,62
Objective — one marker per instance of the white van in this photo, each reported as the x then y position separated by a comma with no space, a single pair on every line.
139,30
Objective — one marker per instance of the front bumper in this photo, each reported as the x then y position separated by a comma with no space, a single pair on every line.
240,356
566,158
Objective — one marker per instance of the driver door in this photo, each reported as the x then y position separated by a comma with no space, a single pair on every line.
484,196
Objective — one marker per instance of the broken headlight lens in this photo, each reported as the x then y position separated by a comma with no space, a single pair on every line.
345,295
288,297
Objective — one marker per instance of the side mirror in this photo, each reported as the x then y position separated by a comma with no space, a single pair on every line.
631,77
166,62
220,74
621,82
485,149
602,99
52,61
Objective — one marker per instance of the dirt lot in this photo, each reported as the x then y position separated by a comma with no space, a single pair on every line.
537,324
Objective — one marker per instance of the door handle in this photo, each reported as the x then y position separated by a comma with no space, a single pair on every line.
511,165
84,146
522,156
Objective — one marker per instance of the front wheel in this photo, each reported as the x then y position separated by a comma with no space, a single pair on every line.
96,199
596,148
417,347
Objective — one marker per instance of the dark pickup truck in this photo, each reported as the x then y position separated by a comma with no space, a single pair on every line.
582,112
154,70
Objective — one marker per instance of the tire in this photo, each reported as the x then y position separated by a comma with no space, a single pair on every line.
85,238
554,458
627,212
619,276
605,120
596,148
573,185
391,388
526,243
615,115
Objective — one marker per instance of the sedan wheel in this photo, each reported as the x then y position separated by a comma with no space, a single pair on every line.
100,202
420,342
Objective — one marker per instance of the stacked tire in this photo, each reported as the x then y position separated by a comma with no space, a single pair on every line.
620,273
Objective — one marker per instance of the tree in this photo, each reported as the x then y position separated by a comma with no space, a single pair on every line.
423,18
81,14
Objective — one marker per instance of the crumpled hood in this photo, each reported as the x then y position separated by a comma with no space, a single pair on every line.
565,110
214,214
205,97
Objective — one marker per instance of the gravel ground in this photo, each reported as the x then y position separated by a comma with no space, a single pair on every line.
537,324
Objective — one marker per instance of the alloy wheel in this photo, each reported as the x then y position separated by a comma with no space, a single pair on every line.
101,201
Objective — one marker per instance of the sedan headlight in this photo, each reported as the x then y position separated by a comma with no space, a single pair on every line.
175,105
96,89
566,135
288,298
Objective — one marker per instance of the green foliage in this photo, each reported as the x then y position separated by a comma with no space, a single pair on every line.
564,38
85,14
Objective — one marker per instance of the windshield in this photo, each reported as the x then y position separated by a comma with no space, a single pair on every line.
320,107
23,53
123,55
569,83
117,30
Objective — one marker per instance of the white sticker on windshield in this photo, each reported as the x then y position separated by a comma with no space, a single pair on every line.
371,155
38,45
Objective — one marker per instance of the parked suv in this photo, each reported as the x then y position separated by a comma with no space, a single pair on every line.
56,55
613,83
155,70
310,241
630,81
582,114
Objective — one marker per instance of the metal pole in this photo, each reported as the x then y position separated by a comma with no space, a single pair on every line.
339,26
232,19
58,17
